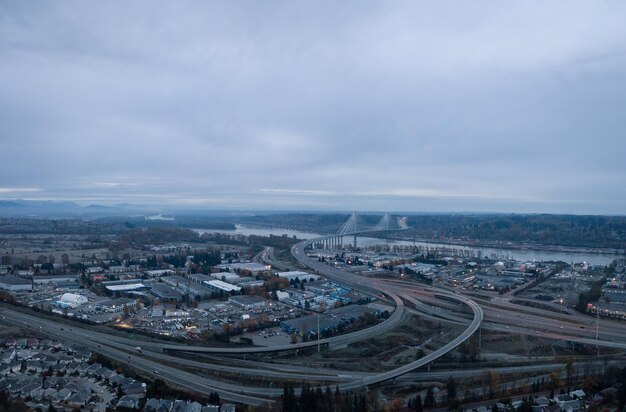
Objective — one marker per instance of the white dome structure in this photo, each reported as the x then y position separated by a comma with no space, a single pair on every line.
72,300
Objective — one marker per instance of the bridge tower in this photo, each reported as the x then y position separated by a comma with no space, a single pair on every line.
350,227
384,223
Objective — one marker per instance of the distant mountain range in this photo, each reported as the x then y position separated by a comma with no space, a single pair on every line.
51,209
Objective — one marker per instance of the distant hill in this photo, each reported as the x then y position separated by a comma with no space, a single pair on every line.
52,209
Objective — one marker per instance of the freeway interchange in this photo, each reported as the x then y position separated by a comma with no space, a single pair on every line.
156,358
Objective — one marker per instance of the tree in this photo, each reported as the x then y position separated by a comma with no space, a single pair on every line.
451,389
429,400
569,368
554,380
417,403
621,393
294,338
214,398
494,383
397,405
289,398
526,406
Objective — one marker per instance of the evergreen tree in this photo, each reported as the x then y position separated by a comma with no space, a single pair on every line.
289,398
621,393
526,406
214,398
417,404
451,389
429,400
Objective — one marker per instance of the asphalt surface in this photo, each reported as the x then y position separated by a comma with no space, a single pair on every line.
500,314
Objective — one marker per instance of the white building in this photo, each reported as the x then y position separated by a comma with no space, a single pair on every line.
54,279
247,302
159,272
297,275
247,266
223,286
226,276
71,300
115,305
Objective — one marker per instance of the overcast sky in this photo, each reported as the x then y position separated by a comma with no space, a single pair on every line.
414,106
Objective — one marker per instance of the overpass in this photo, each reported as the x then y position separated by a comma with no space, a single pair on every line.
359,283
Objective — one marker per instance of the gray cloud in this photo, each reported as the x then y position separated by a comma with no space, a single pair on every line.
486,106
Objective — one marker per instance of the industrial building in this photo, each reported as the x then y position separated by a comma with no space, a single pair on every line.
301,276
226,277
14,283
166,293
222,286
247,302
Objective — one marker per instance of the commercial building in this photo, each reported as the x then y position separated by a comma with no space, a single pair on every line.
251,283
199,278
124,285
116,305
247,266
301,276
174,281
14,283
221,286
54,279
158,273
226,277
166,293
247,302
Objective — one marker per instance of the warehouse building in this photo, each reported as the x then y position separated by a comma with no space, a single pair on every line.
221,286
14,283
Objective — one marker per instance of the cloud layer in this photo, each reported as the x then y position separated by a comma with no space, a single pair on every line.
422,106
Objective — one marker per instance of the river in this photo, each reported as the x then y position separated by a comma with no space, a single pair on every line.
517,254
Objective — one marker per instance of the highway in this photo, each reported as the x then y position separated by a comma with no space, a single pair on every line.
359,283
114,346
500,315
123,351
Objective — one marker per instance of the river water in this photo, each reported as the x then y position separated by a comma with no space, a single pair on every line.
247,231
469,251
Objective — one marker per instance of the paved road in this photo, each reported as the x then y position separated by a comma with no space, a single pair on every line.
123,351
359,283
503,315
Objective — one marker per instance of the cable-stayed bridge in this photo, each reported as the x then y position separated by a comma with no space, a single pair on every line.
358,225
